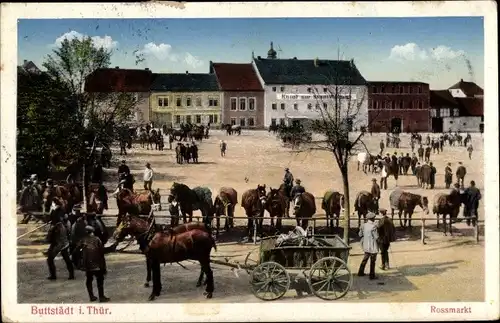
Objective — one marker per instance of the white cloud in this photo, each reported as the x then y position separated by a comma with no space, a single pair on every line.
105,42
444,53
413,52
161,52
192,60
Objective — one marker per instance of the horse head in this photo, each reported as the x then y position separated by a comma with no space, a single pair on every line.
424,204
261,191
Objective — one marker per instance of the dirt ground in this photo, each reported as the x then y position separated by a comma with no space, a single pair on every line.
432,272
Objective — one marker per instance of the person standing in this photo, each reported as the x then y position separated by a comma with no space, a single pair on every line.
432,175
223,147
288,181
123,168
420,152
375,192
369,236
387,234
93,263
460,173
448,175
384,175
472,198
148,177
57,237
469,150
194,152
382,147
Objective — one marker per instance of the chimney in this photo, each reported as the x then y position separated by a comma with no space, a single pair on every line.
187,72
146,69
259,58
295,57
316,62
117,67
461,80
25,62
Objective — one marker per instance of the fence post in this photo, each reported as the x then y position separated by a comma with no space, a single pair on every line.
476,231
422,231
254,232
314,226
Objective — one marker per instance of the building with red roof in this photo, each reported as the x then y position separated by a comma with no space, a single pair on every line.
243,95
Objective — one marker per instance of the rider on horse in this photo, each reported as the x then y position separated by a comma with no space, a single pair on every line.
296,190
288,181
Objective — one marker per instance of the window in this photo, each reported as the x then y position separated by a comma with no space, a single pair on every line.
464,124
243,122
213,102
233,121
198,101
274,106
274,88
325,90
160,102
309,90
455,112
445,112
188,101
177,119
273,122
419,89
188,119
178,101
396,89
317,106
421,105
282,105
243,104
251,122
282,122
382,89
282,89
391,89
433,113
233,104
211,118
216,118
393,105
375,89
198,118
388,105
251,104
325,105
309,106
451,121
401,89
295,106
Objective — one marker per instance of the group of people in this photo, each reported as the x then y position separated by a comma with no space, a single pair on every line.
126,179
186,153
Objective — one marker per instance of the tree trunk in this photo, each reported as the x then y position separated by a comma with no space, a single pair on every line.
347,209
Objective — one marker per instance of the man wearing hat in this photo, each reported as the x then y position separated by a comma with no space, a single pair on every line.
375,192
148,177
387,234
93,263
57,236
369,237
123,168
297,189
448,175
288,181
460,173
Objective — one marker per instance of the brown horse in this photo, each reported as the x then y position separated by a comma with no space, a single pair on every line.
332,203
170,247
136,226
405,203
276,205
224,204
304,208
286,194
254,203
364,203
59,191
447,205
98,199
137,203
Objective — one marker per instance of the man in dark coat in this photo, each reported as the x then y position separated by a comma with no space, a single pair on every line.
93,263
472,198
194,152
448,175
382,147
288,181
427,154
297,189
460,173
123,168
97,173
387,234
375,192
58,239
413,163
433,175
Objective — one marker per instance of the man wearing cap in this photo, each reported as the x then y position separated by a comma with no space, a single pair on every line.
57,237
93,263
448,175
369,237
387,234
472,198
460,173
123,168
148,177
375,192
288,181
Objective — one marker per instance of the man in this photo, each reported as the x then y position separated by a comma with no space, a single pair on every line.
297,189
93,263
413,163
433,175
97,173
187,153
383,173
420,152
472,198
387,234
375,192
123,168
123,146
460,173
194,152
369,236
223,147
148,177
288,181
441,143
412,144
58,240
428,153
382,147
448,175
470,149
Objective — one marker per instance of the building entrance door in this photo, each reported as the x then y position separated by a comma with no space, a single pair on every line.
437,124
396,125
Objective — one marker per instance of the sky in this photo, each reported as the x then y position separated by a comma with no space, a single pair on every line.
436,50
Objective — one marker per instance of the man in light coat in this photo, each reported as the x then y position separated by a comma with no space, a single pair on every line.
369,236
148,177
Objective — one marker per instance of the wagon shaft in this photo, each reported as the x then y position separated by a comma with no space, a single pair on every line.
230,264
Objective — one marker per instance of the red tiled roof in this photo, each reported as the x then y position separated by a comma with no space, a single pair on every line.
236,77
471,106
469,88
118,80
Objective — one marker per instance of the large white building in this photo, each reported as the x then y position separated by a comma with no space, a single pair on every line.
299,89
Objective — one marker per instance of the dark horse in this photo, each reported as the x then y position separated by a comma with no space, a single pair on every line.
286,192
364,203
136,226
277,206
405,203
447,205
230,129
332,203
224,204
189,200
254,203
304,207
137,203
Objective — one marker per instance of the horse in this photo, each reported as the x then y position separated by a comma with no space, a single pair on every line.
332,203
424,176
447,205
254,202
78,230
52,192
137,226
224,204
367,160
143,138
304,208
152,139
405,203
30,201
286,191
135,203
364,203
98,200
390,169
230,129
189,200
276,205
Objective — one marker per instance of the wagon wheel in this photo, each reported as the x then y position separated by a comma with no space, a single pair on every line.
269,281
330,278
